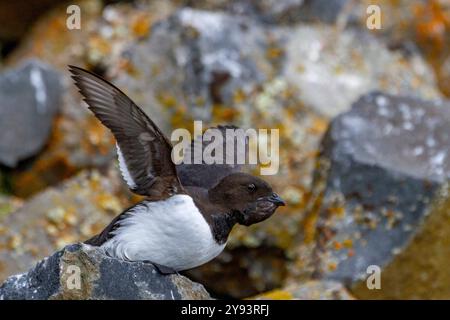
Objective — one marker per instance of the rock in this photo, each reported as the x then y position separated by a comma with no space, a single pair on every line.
196,62
8,204
83,272
384,202
30,97
310,290
73,211
321,63
201,80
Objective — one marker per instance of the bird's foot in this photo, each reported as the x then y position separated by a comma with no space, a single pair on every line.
162,269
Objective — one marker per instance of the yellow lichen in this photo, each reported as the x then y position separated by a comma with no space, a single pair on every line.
276,295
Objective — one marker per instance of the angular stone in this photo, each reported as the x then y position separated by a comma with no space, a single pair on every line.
321,63
83,272
29,99
384,171
195,60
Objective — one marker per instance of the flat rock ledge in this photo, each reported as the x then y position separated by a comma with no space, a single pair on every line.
80,271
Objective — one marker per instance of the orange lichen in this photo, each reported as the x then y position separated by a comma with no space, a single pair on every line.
140,25
332,266
99,44
108,202
97,138
350,253
338,211
224,114
45,171
337,245
318,126
239,96
432,23
167,100
127,66
309,228
274,52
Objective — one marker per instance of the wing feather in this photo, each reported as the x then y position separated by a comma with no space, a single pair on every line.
143,150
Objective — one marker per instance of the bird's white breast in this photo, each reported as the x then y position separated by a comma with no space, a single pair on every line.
170,232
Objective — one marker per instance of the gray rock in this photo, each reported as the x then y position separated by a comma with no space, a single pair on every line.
383,171
330,69
83,272
322,10
196,59
279,11
29,99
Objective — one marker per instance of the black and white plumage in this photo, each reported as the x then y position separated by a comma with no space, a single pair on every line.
189,210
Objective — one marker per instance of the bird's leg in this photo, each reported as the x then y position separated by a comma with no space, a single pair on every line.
162,269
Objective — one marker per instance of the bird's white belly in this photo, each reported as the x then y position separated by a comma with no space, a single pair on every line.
172,233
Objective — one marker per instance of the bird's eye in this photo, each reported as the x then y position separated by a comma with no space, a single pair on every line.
251,187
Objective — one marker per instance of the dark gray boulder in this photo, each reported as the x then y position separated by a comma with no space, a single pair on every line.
383,177
29,99
83,272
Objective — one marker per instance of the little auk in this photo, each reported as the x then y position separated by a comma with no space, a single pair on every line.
189,209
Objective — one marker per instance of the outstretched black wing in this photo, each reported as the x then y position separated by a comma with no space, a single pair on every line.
143,150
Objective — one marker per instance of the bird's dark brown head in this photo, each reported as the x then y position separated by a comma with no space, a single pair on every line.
249,198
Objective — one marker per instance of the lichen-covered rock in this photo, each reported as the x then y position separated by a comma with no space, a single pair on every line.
197,66
29,99
83,272
222,63
310,290
384,202
330,69
70,212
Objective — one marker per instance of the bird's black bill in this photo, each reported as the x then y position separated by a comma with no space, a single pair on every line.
276,199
